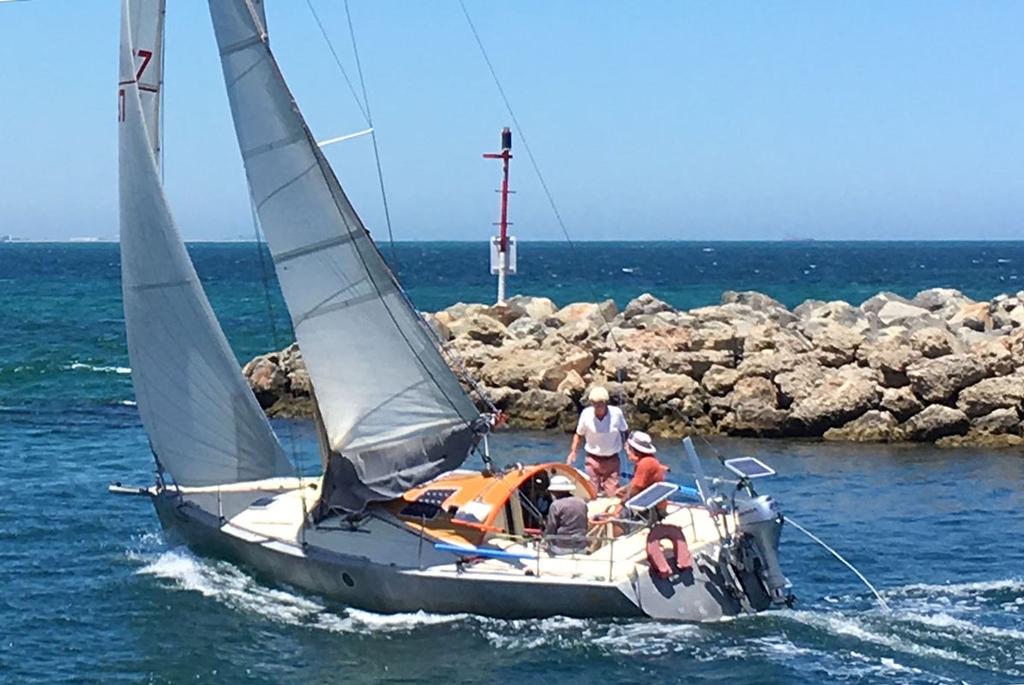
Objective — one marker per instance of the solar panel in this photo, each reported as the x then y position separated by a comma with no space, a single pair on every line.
651,496
428,504
749,467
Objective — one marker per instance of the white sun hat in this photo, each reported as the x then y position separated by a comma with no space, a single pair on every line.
598,394
641,442
561,484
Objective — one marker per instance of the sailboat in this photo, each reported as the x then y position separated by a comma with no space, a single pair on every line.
395,522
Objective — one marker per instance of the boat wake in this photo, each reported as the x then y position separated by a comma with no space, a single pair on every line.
931,626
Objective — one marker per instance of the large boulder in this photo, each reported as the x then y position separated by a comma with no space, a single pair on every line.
266,378
897,312
872,426
900,402
942,302
439,325
771,336
527,327
876,303
933,342
836,345
936,421
975,316
815,314
640,340
541,409
719,380
990,394
840,396
769,363
754,409
645,304
939,380
800,382
890,356
536,308
602,312
711,334
656,390
759,302
998,421
479,326
996,355
693,364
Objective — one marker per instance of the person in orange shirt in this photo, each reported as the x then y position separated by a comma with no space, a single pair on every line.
647,470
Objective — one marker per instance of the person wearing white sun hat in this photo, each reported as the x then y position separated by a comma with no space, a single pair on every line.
565,528
602,428
647,470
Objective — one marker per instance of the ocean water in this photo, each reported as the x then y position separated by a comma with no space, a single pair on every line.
90,592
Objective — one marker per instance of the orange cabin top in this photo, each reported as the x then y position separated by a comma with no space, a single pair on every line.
510,502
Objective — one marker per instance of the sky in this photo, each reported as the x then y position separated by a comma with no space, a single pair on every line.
653,120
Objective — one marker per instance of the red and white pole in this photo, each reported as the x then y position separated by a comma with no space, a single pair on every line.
503,267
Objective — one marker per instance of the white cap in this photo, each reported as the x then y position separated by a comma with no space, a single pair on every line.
597,394
561,483
641,442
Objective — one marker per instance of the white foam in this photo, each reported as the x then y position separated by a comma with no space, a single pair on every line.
78,366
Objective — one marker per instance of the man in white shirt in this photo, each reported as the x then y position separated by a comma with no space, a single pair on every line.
603,429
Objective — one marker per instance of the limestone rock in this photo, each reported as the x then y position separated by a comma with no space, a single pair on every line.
981,439
998,421
527,327
936,421
990,394
889,356
439,326
601,312
836,344
645,304
540,409
536,308
975,316
841,395
718,380
939,380
934,342
875,304
995,355
872,426
800,382
657,389
894,311
900,402
266,378
479,326
754,404
942,302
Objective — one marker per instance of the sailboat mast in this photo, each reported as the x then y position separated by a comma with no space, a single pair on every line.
503,254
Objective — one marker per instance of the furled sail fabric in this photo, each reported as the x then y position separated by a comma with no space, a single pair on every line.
393,412
203,422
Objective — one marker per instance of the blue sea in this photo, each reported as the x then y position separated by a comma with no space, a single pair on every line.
91,593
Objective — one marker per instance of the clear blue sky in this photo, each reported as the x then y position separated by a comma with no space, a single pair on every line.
668,120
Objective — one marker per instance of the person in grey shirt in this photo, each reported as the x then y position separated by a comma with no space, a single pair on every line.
565,528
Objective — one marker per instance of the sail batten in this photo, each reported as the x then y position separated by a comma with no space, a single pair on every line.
390,405
203,422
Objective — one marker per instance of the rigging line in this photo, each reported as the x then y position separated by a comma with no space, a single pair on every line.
275,334
337,61
881,602
373,138
536,170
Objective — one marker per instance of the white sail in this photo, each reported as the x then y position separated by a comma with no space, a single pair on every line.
204,424
391,407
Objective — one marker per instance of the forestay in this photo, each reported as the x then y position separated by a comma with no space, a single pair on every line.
204,424
392,410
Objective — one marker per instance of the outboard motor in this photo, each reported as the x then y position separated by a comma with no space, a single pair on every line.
760,522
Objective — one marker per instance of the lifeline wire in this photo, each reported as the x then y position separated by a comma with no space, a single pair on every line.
848,565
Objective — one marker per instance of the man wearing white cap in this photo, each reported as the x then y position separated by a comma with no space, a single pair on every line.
603,429
565,528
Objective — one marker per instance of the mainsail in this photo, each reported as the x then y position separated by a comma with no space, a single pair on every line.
204,424
393,412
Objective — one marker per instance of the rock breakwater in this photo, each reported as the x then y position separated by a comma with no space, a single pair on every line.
939,367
